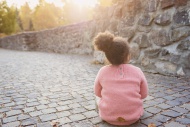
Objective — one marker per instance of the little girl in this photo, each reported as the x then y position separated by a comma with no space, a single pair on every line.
120,86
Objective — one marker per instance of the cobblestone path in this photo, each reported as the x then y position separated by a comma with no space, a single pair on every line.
38,88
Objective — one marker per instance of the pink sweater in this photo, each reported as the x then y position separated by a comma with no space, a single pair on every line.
121,89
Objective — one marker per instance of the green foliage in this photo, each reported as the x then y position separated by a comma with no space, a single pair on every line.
44,15
7,18
25,17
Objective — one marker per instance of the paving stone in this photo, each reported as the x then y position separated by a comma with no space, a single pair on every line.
160,100
13,113
164,106
90,107
146,115
96,120
30,121
18,107
84,123
32,104
77,117
46,124
138,124
12,124
9,104
174,124
180,110
41,107
90,114
78,110
169,98
36,113
2,110
153,110
49,110
183,100
48,117
186,106
74,105
161,118
53,105
23,116
171,113
44,102
63,114
149,121
62,103
64,120
9,119
149,97
185,121
63,108
173,103
5,101
187,115
26,110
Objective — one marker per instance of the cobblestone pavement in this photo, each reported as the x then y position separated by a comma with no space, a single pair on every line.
38,88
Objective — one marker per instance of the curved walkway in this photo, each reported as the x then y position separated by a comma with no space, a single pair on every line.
39,89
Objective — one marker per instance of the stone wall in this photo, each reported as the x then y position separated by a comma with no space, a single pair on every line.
158,32
74,38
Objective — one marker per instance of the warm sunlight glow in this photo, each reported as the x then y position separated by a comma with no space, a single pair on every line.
85,3
18,3
59,3
33,3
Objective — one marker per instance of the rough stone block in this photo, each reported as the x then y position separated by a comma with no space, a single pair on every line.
127,32
184,45
167,3
160,37
163,19
135,51
182,17
145,20
178,33
152,5
142,41
152,52
181,2
166,67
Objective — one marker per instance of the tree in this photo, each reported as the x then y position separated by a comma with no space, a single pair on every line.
46,15
7,18
25,17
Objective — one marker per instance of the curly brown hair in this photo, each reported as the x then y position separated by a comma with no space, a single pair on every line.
116,49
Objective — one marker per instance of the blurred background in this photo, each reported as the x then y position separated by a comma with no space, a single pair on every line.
34,15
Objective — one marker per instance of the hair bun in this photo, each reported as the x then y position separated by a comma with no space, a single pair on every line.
103,41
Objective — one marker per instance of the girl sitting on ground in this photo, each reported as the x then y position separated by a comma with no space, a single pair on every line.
120,86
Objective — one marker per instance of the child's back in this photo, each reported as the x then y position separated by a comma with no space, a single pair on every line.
124,87
121,88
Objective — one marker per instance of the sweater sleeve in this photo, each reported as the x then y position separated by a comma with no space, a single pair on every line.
143,86
97,85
